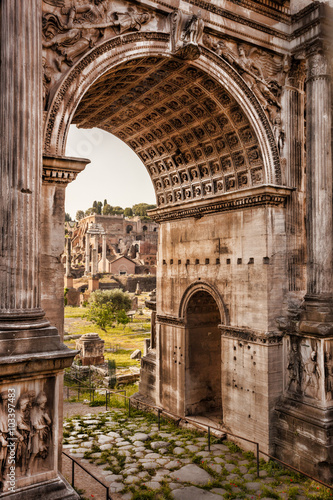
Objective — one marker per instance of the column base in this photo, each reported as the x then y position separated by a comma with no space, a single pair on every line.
56,489
317,318
304,437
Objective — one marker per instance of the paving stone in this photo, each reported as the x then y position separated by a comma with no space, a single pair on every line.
219,491
174,486
131,479
165,435
162,461
79,455
243,469
192,447
191,473
150,465
116,487
230,467
216,467
153,456
173,464
185,460
98,454
127,496
138,443
131,470
143,474
178,450
123,443
113,434
193,493
124,453
140,436
232,477
87,444
179,443
219,460
243,462
139,454
156,445
105,439
203,454
263,473
113,477
152,485
253,486
107,446
248,477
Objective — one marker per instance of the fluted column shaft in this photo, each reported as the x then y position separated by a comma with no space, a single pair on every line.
319,178
87,253
21,159
104,270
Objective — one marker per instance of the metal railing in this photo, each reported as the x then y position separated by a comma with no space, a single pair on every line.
107,494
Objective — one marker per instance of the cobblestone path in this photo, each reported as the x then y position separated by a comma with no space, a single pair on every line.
139,462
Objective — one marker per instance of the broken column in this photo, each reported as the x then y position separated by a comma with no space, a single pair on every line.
91,348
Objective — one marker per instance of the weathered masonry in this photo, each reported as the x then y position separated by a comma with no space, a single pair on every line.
229,106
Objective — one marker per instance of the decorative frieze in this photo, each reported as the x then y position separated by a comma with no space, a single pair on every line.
261,196
62,170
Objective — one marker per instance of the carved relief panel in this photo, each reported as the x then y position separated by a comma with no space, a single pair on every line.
28,432
305,367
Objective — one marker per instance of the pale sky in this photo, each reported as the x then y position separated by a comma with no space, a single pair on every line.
115,173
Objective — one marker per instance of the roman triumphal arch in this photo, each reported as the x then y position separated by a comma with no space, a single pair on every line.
229,108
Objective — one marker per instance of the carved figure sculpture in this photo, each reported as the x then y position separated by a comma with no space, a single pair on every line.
192,29
295,367
328,375
278,133
262,72
40,430
185,34
312,375
129,21
23,431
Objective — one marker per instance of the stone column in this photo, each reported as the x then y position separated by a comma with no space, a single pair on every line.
319,299
58,172
104,270
87,271
94,262
293,155
32,357
21,163
68,256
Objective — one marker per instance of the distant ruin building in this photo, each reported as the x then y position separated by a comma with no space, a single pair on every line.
113,244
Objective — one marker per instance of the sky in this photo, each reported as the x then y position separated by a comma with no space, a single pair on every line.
115,173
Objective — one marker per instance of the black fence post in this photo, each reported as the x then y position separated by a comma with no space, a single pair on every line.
73,473
257,459
208,438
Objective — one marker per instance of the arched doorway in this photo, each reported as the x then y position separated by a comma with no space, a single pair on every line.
203,363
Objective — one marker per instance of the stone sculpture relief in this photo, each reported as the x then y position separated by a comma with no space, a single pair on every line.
186,32
328,368
31,434
295,367
72,28
304,368
264,73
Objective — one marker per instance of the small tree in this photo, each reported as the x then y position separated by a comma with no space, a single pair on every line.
122,318
79,215
106,306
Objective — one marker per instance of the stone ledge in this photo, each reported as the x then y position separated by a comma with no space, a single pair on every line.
246,198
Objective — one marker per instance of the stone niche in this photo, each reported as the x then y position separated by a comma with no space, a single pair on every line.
91,348
29,432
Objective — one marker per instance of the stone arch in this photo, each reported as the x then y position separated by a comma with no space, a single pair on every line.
202,286
218,161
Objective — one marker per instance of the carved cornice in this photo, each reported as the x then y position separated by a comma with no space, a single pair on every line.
169,320
247,198
62,170
250,335
318,66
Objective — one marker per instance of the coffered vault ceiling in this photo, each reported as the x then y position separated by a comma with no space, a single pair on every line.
191,134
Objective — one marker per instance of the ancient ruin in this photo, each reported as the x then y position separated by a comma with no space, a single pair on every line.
112,236
230,109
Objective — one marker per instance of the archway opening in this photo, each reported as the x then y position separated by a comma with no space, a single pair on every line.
203,367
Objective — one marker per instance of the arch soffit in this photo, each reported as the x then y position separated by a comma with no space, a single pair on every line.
202,286
110,54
